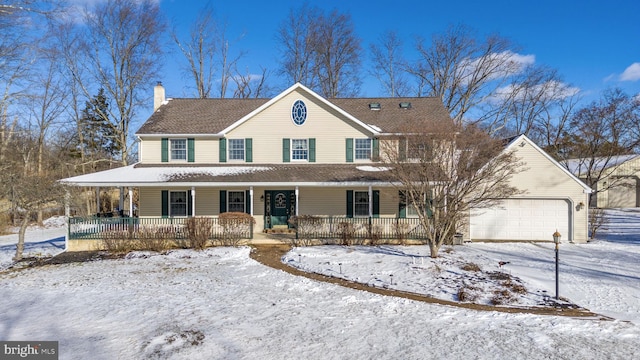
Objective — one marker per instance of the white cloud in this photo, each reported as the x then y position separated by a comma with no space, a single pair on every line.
631,73
499,65
550,90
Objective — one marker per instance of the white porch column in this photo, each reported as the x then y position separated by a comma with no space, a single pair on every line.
251,199
130,202
67,208
98,199
370,201
297,199
193,201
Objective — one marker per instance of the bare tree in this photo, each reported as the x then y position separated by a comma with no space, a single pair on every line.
389,65
444,171
251,85
536,102
27,189
121,52
596,137
464,71
296,38
321,51
199,51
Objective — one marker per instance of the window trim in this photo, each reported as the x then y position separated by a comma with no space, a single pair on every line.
306,149
186,150
186,203
356,148
230,149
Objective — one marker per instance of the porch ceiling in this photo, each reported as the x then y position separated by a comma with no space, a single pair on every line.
140,175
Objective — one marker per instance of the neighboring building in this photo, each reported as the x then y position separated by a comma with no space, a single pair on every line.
299,153
618,186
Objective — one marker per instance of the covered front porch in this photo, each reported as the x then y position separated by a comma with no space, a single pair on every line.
339,201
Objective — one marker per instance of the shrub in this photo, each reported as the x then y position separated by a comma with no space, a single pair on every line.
198,232
470,267
118,243
597,219
501,297
467,293
375,234
307,228
235,227
346,233
156,238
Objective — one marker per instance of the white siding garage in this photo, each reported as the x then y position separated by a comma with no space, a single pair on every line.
522,219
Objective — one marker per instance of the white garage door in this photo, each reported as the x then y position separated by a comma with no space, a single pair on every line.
522,219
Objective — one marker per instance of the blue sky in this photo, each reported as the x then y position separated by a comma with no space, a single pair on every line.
591,43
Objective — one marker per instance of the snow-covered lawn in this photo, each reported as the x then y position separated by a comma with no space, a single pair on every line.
220,304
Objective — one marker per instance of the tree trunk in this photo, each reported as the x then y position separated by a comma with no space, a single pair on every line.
20,245
433,249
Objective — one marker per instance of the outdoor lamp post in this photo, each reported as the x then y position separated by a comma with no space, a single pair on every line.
556,239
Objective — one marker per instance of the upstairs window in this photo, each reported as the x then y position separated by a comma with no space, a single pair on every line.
178,149
299,149
236,149
363,149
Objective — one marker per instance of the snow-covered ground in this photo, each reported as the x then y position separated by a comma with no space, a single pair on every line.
220,304
44,241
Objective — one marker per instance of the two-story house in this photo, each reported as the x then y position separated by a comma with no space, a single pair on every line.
299,153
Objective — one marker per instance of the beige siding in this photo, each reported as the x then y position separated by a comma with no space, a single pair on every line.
150,151
150,202
541,178
206,150
269,127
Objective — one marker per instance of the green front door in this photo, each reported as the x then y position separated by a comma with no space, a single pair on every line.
279,205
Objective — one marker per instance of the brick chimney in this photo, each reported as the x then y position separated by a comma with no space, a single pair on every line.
158,96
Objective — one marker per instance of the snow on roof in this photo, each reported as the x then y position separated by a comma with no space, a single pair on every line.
128,175
580,166
372,168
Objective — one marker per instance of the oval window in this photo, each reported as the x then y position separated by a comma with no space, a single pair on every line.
299,112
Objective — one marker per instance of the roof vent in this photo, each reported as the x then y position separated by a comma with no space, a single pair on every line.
405,105
375,106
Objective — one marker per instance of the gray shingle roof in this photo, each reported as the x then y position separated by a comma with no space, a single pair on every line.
211,116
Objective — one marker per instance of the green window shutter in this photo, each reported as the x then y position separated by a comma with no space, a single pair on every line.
349,149
349,203
223,150
375,155
191,150
402,204
286,150
165,203
312,150
376,203
247,202
223,201
164,148
189,204
248,150
402,149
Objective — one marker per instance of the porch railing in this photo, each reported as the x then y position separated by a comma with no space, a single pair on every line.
98,228
360,228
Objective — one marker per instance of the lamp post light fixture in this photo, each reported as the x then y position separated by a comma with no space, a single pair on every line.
556,239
